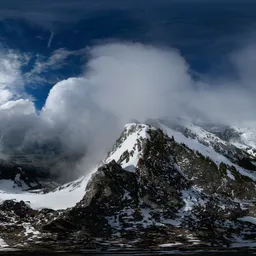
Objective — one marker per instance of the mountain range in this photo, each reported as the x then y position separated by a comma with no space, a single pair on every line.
165,184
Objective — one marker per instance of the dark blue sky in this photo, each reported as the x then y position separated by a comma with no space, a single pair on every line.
205,32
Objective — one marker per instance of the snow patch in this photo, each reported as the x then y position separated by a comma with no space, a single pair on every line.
132,133
170,244
230,175
3,244
62,198
191,197
126,196
172,222
248,219
113,221
30,231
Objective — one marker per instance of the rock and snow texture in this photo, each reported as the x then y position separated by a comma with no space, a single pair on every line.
208,144
240,137
155,199
128,147
246,139
249,219
61,198
151,190
3,244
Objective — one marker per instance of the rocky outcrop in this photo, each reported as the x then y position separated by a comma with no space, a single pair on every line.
203,172
25,178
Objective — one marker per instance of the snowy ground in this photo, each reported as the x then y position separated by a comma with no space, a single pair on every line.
248,219
62,198
3,244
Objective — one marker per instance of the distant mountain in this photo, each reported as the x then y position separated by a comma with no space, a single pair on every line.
244,138
164,184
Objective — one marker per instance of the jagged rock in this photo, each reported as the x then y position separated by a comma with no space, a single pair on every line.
204,173
160,181
20,209
210,176
26,178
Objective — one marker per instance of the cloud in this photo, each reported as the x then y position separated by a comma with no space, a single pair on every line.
11,78
229,98
44,69
50,40
71,110
138,81
83,116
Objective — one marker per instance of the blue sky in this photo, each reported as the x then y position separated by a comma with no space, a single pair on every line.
203,31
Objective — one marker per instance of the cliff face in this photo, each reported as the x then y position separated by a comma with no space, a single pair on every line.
150,190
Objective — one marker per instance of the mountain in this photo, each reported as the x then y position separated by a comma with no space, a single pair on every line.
216,147
244,138
171,184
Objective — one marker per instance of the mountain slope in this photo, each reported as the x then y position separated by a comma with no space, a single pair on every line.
243,138
150,191
155,200
62,197
208,144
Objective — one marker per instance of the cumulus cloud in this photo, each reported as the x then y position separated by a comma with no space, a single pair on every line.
83,115
137,81
140,81
71,110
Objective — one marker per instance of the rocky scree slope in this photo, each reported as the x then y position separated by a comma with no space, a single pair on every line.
150,191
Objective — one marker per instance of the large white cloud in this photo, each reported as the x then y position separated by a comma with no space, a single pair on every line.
137,81
71,110
121,81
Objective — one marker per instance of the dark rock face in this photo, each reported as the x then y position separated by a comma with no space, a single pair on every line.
20,209
158,202
20,176
213,179
27,176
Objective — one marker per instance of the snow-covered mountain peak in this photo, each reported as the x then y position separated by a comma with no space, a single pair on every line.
191,130
241,137
245,139
128,148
